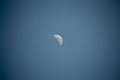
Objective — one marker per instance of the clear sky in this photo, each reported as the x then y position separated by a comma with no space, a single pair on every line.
90,30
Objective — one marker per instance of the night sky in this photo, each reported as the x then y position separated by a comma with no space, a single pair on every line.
90,30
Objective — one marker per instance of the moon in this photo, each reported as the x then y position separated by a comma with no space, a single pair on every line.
58,38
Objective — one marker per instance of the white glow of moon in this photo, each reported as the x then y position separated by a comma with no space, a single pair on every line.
59,38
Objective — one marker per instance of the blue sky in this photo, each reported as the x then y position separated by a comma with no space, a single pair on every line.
90,30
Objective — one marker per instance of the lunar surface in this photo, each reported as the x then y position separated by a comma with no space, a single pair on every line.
58,38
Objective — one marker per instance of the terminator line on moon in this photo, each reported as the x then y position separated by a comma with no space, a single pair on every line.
58,38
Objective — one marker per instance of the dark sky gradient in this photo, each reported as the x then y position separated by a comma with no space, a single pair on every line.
91,33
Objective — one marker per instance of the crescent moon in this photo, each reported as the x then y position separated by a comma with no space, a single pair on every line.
59,38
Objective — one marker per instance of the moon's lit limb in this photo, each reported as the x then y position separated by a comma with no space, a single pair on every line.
59,38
